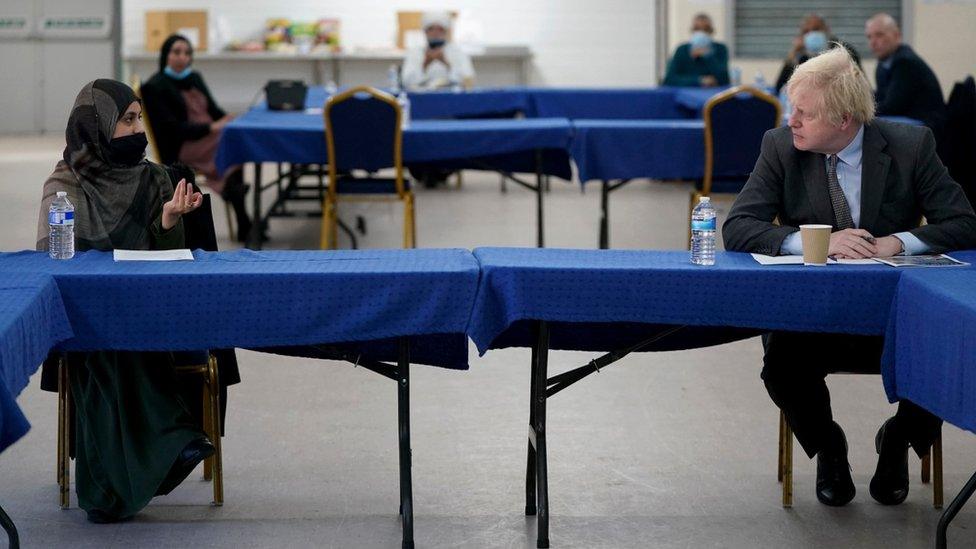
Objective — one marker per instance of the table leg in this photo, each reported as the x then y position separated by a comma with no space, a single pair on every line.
257,222
539,379
951,510
539,190
530,488
403,412
8,525
605,214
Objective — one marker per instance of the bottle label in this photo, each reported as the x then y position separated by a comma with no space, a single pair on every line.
61,218
703,224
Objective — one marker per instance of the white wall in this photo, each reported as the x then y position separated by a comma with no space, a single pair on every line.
574,42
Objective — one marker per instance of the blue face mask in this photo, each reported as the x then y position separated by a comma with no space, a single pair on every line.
815,42
177,75
700,39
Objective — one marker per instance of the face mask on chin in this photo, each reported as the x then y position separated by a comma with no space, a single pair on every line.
177,75
128,150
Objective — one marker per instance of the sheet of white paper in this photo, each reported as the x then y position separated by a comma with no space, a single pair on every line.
314,110
867,261
778,259
153,255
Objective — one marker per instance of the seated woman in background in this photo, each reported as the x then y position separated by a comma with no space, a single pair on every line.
186,123
134,436
701,61
813,39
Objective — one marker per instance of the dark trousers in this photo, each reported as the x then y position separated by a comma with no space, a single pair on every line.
795,367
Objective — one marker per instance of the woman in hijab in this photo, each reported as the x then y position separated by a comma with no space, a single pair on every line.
134,437
186,123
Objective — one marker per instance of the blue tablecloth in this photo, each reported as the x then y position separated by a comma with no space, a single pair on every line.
32,320
600,288
930,348
626,149
261,135
607,103
445,104
267,299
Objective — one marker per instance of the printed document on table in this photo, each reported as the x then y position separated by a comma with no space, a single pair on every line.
781,259
153,255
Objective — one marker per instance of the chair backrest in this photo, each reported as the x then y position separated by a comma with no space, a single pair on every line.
362,131
735,122
136,85
959,140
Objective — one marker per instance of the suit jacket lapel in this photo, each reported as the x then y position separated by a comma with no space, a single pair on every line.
874,175
815,179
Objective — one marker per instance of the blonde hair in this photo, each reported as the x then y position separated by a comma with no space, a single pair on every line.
845,88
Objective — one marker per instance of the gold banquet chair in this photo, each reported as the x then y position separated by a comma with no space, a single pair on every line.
362,131
213,468
931,464
735,122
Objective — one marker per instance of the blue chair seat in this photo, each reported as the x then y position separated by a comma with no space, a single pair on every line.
369,185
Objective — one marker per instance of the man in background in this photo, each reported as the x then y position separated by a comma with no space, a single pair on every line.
906,84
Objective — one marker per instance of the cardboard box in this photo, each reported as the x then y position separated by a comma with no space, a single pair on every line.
161,24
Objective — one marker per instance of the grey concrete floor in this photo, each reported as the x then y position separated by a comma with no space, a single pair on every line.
659,450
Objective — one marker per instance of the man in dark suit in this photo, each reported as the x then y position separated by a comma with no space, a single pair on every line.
906,84
873,181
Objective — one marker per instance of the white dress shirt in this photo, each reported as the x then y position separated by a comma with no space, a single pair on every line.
437,74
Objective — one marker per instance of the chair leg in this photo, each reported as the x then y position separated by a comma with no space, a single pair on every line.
207,427
926,467
787,464
231,229
218,457
460,179
64,437
937,472
409,223
329,225
781,448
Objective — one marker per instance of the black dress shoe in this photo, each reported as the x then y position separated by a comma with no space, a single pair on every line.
889,486
97,516
835,487
191,456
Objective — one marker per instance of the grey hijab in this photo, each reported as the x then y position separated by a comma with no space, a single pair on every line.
115,205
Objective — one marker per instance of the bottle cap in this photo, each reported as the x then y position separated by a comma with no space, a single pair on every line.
62,194
705,199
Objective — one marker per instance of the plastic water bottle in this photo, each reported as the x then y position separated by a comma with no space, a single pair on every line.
331,88
61,219
735,76
404,102
393,79
703,233
760,81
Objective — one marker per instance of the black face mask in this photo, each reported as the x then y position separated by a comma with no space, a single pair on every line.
436,43
128,150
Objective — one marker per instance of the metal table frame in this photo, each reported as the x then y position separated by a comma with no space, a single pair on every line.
541,389
288,188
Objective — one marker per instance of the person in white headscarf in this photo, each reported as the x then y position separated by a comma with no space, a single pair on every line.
440,63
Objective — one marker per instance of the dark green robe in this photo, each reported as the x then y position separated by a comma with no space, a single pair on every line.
130,421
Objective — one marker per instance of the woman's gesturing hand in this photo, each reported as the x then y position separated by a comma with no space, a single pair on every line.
184,201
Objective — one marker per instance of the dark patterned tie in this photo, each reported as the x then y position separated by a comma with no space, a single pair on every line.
842,210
